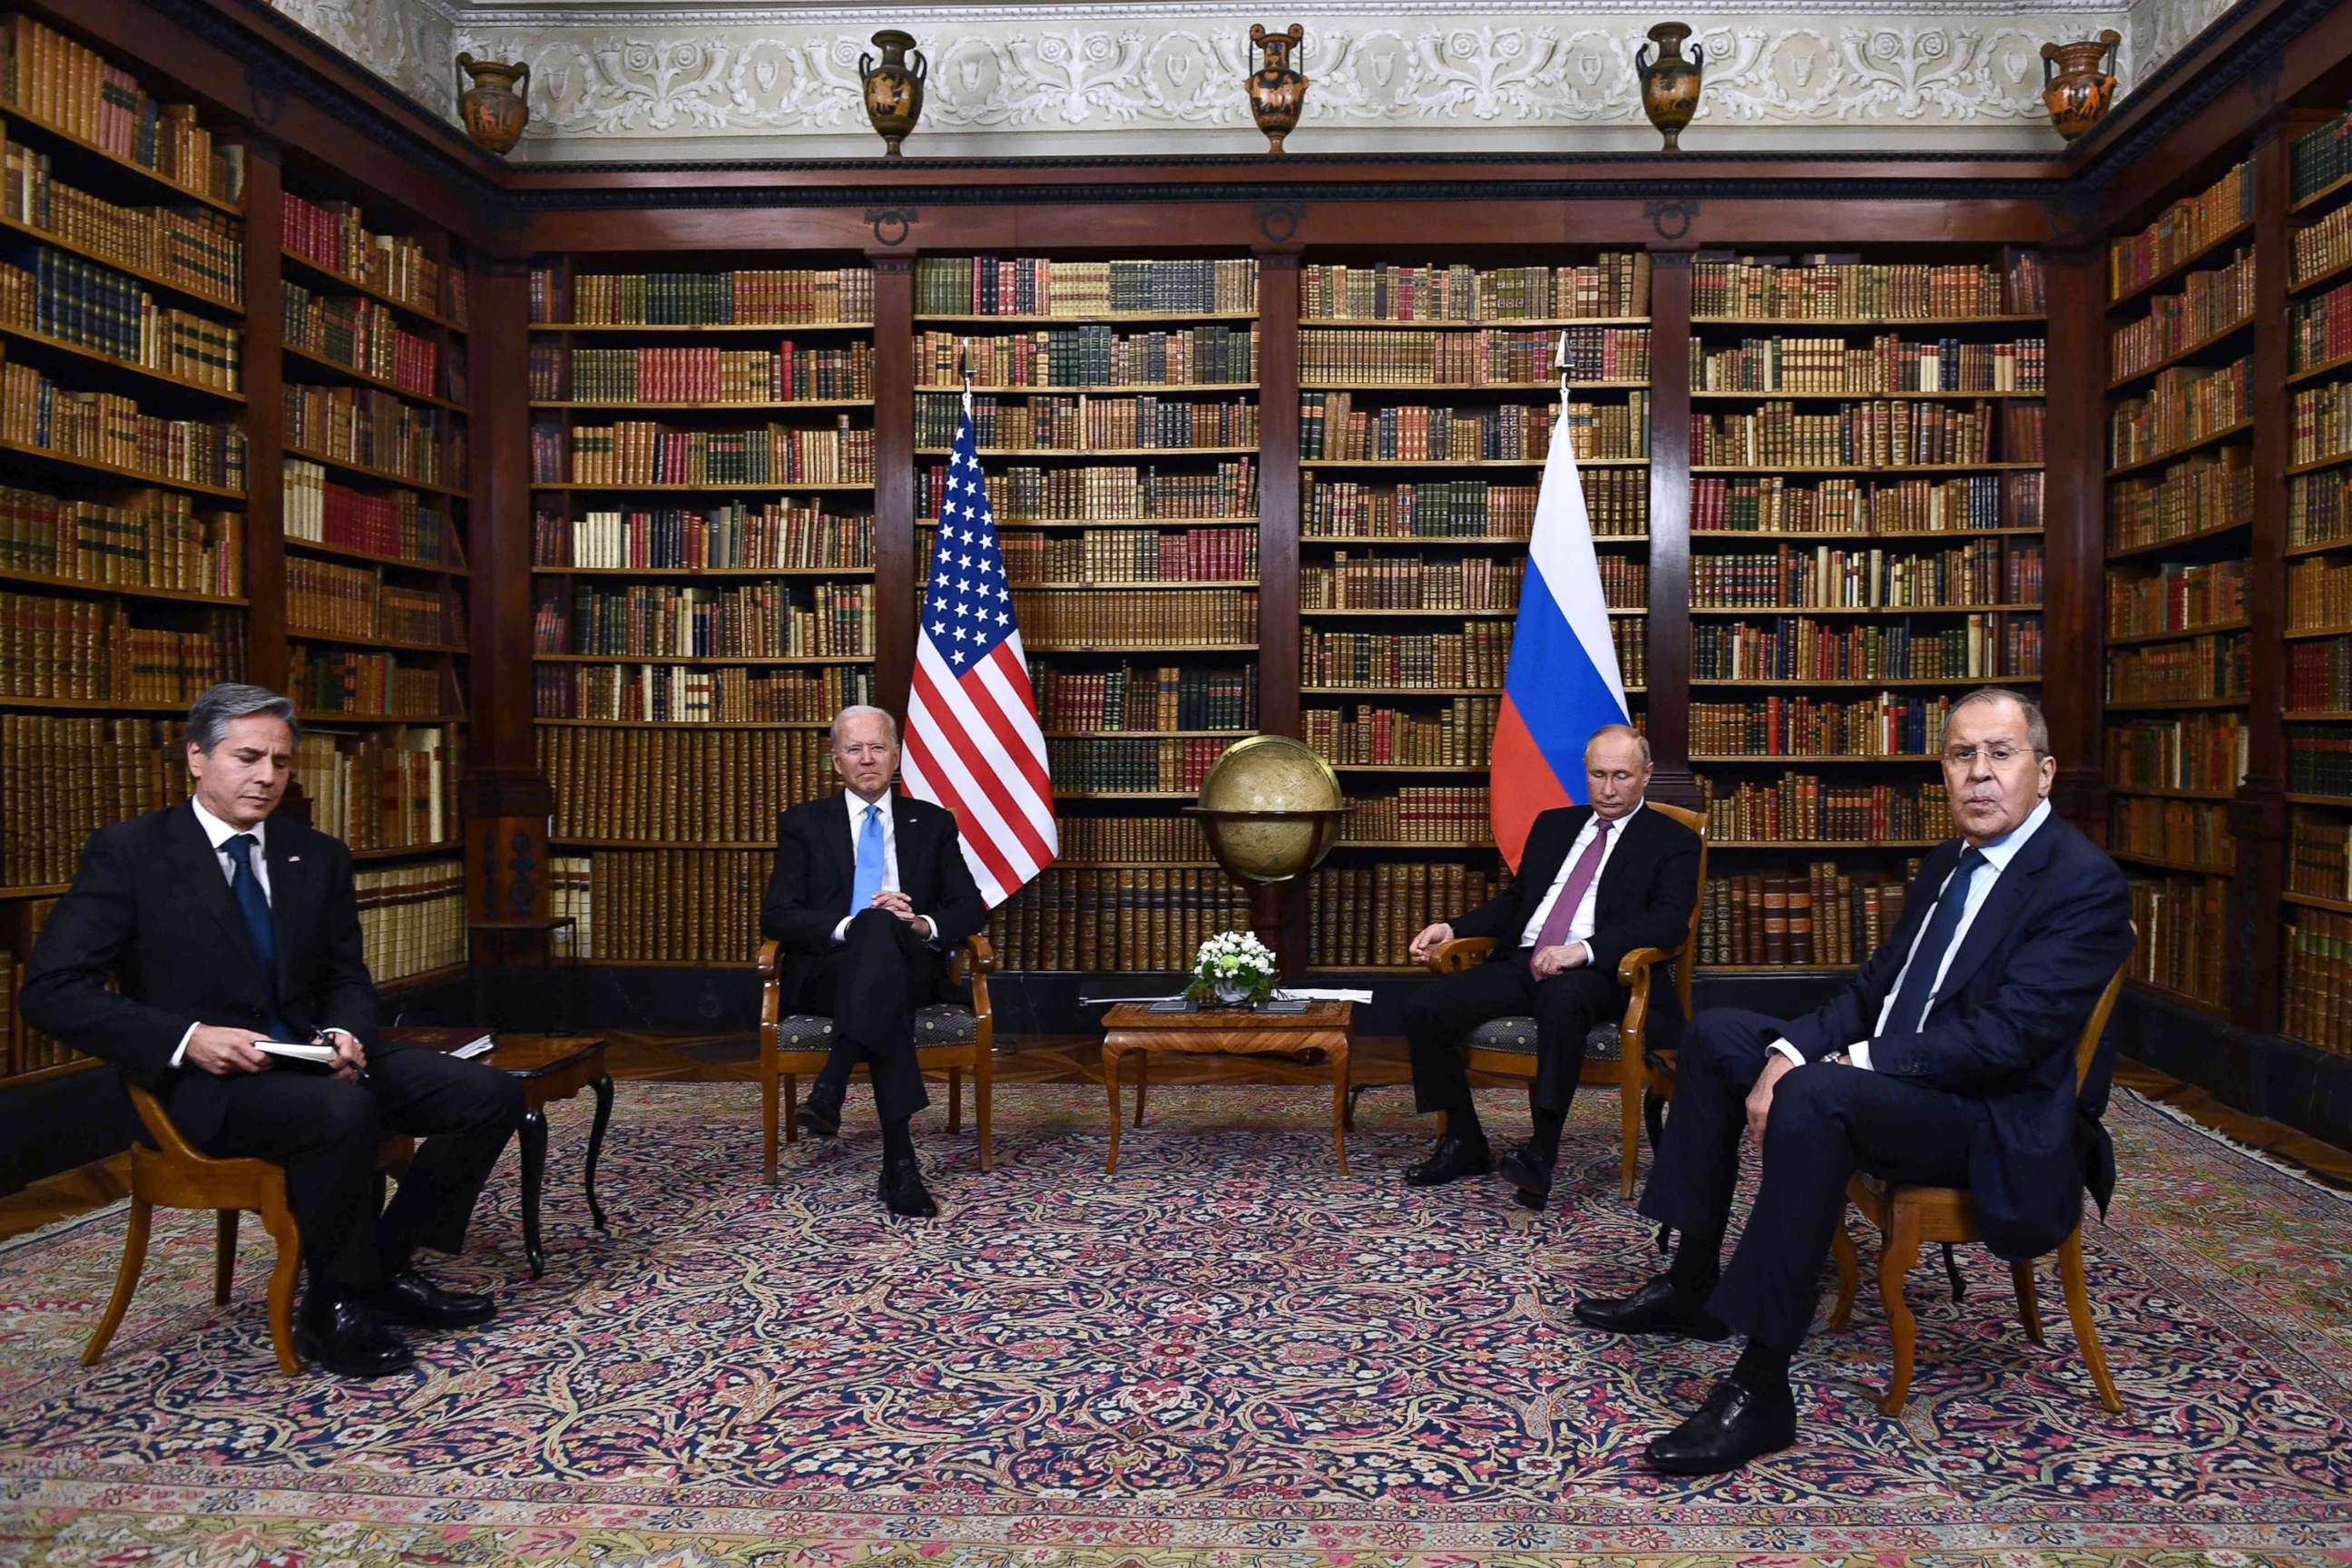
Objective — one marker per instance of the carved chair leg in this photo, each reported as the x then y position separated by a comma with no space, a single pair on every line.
955,1100
126,1280
792,1108
983,1101
2078,1312
1629,1132
768,1125
1898,1253
1849,1268
2029,1299
280,1225
225,1258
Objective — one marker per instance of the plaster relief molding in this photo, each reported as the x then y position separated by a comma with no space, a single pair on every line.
407,42
2160,30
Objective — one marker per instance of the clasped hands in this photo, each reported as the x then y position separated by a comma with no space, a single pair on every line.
225,1052
1547,961
898,904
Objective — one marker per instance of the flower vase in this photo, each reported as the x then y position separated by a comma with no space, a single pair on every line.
1233,994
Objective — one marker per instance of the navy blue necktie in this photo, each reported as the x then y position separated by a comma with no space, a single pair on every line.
254,907
1927,959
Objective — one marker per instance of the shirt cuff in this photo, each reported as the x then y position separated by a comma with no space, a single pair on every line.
1859,1054
841,928
1783,1047
181,1055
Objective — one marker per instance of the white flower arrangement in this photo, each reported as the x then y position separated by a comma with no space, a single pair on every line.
1232,967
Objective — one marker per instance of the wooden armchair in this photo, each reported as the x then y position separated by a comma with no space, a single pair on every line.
1613,1053
1906,1217
174,1175
948,1038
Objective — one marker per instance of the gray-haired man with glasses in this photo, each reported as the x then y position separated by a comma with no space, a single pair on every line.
1947,1060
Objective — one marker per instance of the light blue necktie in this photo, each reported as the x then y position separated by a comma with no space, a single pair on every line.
869,862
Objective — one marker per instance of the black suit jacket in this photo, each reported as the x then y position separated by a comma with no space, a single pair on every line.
817,867
150,909
2030,969
1644,900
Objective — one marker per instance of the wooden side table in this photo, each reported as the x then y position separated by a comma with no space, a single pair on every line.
1134,1027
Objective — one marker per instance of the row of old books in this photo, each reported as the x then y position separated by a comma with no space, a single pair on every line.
1808,808
1221,618
24,1049
334,235
1828,915
1332,429
1098,492
1616,499
675,906
196,247
48,78
1110,556
412,917
62,778
684,694
2322,423
2204,751
326,597
1788,648
1084,424
67,300
1141,840
360,335
394,788
88,650
792,373
1091,355
2318,593
1472,582
1042,286
372,428
2322,246
1475,657
1804,725
644,452
1421,814
1107,764
344,681
1168,696
1365,917
2319,980
681,786
147,538
772,297
2319,760
2320,158
1833,286
1773,503
2189,224
2207,489
2319,328
1885,363
401,523
1617,283
1461,734
2319,855
2183,935
2210,302
1132,917
2175,597
729,536
1366,359
1868,435
2318,675
104,429
2206,668
1978,573
2188,403
763,620
2187,832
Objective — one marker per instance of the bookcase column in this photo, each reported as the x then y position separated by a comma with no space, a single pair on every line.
895,566
1670,504
1280,911
265,421
2074,535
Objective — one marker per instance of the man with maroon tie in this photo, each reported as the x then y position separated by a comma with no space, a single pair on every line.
1596,882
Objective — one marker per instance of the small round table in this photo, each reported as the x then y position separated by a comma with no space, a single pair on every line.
1134,1027
554,1067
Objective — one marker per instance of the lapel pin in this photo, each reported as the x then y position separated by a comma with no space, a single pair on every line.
293,859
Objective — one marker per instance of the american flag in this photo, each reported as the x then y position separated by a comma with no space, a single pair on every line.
973,741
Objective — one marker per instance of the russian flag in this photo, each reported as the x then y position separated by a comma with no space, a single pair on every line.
1563,682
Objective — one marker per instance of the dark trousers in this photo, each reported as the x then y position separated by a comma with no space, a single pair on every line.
870,986
325,1134
1827,1122
1565,1007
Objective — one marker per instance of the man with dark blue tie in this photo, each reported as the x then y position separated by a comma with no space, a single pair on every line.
221,928
1947,1061
870,896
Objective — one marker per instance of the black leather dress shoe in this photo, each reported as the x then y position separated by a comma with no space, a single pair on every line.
1735,1424
820,1113
345,1337
1451,1160
410,1297
903,1192
1657,1308
1530,1172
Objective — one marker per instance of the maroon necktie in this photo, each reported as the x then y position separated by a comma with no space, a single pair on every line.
1563,913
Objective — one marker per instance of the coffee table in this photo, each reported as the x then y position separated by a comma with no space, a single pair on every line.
1132,1028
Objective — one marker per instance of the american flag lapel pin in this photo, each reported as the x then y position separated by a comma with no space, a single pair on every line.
293,859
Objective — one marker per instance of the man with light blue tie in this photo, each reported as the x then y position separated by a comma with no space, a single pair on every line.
1947,1060
870,896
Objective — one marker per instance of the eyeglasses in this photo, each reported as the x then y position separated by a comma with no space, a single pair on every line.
2000,754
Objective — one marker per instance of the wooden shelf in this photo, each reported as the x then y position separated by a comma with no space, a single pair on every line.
1457,538
331,719
154,279
1810,968
2159,863
922,586
2180,267
2152,792
2303,634
2339,801
1821,844
2171,704
1306,614
428,978
92,149
1139,647
665,723
1404,690
402,852
59,1069
1094,318
342,279
124,366
1862,609
384,476
2313,901
113,471
1870,323
557,842
369,378
1466,462
52,891
2129,639
766,326
1911,536
2325,366
698,572
2182,354
2318,715
2155,988
82,585
1481,847
2334,459
1127,794
1549,383
2155,546
714,488
1090,387
717,408
93,705
1843,682
1865,469
2153,460
1442,324
2321,279
2304,204
1003,523
1058,452
791,658
366,639
352,552
1728,759
1711,396
1145,734
1455,769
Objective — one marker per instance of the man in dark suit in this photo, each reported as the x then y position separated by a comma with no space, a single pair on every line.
222,927
869,897
1949,1060
1595,882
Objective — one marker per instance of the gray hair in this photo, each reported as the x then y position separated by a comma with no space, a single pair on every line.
2037,728
1619,732
859,708
217,707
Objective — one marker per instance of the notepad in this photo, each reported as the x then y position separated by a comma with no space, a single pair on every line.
479,1046
324,1056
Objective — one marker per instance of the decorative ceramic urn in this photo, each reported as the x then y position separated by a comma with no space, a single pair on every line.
894,90
1276,90
495,107
2075,86
1670,83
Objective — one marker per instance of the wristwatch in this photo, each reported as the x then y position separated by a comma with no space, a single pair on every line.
1839,1058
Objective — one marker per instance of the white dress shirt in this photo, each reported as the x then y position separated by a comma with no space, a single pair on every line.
1579,925
220,833
857,809
1981,880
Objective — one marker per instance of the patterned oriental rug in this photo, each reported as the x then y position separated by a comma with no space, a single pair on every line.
1228,1354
